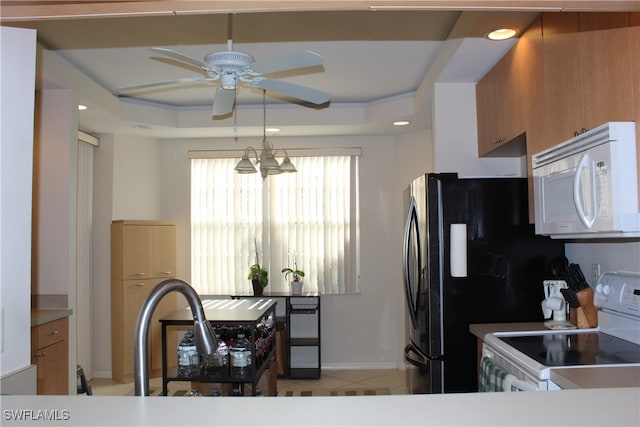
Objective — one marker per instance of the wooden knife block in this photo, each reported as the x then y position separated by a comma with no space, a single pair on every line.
587,313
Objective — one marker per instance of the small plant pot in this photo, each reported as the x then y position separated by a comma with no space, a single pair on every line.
296,288
257,287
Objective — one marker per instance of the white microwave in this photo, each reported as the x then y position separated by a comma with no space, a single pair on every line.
587,187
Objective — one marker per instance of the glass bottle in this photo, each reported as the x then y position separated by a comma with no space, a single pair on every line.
240,356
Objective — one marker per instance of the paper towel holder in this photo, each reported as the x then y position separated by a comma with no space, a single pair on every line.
458,254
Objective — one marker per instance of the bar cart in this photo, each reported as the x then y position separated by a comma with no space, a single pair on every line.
248,316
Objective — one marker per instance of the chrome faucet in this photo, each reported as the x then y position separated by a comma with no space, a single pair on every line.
203,332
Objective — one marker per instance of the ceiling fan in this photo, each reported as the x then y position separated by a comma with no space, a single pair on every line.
230,68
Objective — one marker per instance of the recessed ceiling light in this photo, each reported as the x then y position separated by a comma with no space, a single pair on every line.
82,107
501,34
401,122
272,130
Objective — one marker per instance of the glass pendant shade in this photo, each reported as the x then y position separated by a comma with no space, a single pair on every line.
287,166
245,165
267,162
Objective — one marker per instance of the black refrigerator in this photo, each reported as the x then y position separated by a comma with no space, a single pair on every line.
469,256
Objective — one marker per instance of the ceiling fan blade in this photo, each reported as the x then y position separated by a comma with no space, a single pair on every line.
150,85
288,62
223,102
184,58
293,90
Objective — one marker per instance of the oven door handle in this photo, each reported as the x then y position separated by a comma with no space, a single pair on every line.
518,385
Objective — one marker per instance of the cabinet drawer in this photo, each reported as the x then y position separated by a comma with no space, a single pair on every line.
49,333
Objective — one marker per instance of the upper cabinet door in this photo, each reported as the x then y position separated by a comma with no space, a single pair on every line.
143,251
635,72
163,251
562,77
606,76
587,72
135,252
510,95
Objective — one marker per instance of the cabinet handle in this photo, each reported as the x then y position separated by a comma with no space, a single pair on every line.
136,284
136,275
499,140
53,332
40,354
580,132
165,273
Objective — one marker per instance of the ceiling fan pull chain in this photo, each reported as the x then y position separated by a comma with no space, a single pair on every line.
235,115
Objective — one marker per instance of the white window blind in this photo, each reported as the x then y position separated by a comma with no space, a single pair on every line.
309,217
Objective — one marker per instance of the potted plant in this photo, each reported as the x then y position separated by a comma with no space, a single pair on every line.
296,283
259,277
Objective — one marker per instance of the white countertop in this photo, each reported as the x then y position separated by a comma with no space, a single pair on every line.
41,316
482,329
605,407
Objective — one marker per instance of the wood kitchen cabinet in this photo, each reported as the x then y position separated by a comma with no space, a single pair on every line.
143,254
568,72
491,98
50,354
634,32
588,75
508,97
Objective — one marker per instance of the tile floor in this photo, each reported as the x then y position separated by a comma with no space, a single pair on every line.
394,379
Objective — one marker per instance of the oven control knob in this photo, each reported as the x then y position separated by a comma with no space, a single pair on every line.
599,288
606,289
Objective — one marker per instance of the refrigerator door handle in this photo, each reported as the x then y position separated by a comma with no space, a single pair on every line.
417,358
413,301
414,357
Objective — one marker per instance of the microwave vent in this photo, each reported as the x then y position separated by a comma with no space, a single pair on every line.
602,134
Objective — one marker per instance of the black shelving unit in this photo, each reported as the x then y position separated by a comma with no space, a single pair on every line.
304,305
245,314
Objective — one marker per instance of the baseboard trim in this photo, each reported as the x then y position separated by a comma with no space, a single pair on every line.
361,366
101,374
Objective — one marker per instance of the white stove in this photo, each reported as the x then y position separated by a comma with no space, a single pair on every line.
528,357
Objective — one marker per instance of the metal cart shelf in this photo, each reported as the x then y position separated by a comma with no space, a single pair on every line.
307,304
247,313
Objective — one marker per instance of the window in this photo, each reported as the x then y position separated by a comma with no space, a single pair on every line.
309,217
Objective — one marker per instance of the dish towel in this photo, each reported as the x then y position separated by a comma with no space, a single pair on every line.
493,377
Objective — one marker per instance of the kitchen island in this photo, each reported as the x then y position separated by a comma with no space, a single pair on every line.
595,407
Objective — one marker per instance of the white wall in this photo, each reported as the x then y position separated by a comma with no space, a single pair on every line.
623,255
363,330
54,199
17,77
137,190
455,136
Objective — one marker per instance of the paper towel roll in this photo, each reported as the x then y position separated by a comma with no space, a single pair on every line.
458,250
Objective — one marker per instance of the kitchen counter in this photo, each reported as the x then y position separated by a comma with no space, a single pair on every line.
601,377
41,316
608,407
482,329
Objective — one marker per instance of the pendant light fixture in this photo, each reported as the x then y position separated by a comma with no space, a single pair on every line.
267,157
